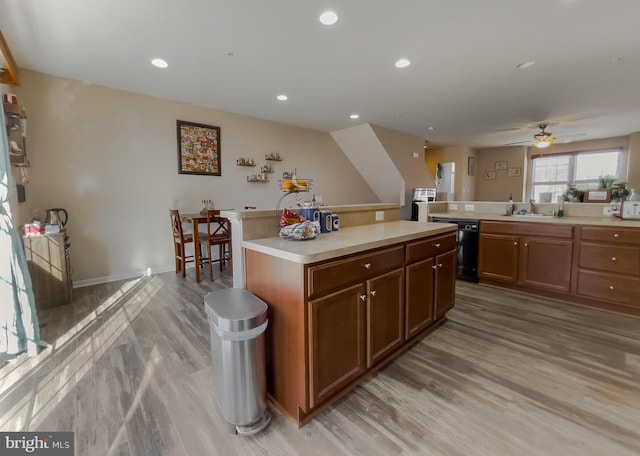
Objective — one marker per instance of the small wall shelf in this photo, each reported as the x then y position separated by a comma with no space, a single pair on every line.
266,169
245,162
273,157
258,178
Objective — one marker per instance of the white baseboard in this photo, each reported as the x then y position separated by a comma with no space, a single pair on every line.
115,278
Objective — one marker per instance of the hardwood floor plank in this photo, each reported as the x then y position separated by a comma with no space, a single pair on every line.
129,370
149,426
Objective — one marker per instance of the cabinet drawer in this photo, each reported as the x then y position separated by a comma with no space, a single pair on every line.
528,229
610,258
336,274
609,287
612,235
427,248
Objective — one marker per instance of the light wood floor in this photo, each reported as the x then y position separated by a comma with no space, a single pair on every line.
128,370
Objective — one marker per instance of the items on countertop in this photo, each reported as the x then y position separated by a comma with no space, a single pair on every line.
510,205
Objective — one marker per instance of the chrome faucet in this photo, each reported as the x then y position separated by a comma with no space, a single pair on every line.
532,207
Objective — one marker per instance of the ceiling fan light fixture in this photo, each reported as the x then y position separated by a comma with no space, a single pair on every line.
543,143
543,139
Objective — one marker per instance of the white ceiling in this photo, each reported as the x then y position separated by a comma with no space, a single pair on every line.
462,81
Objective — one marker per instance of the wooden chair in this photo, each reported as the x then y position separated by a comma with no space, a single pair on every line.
218,233
180,240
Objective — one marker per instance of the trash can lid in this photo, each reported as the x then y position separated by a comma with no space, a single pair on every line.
235,309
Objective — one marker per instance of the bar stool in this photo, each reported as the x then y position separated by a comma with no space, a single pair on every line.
218,233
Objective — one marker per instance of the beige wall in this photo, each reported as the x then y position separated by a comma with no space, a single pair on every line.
109,157
401,147
499,189
464,188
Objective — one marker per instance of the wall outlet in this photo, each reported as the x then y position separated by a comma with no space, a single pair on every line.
379,215
469,207
416,155
453,206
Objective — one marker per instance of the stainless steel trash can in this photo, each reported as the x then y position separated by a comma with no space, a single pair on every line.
237,321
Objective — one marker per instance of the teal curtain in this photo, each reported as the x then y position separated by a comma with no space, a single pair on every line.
19,330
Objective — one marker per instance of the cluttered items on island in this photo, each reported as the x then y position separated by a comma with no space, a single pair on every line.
294,227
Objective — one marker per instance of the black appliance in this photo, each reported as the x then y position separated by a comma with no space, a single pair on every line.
467,240
421,195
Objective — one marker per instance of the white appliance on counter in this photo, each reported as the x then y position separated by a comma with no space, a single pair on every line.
421,195
630,210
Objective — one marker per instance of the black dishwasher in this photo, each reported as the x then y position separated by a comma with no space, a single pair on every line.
467,240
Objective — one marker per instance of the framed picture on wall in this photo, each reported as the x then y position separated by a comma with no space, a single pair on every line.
198,149
470,165
500,165
489,175
515,172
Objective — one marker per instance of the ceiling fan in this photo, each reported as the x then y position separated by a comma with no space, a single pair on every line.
543,139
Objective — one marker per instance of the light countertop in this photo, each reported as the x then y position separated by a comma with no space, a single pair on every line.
602,221
346,241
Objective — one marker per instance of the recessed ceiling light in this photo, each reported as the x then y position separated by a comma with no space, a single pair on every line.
617,59
328,18
403,63
431,128
159,63
354,116
282,97
523,65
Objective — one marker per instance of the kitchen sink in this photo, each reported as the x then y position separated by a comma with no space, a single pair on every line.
532,215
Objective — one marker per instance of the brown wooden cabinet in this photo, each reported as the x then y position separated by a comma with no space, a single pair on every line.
608,266
385,315
498,258
365,318
430,283
545,263
333,322
530,254
336,341
445,282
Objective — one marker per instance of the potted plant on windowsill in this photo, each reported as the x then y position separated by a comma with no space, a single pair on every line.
572,194
619,191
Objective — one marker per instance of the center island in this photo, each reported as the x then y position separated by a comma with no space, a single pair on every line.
343,305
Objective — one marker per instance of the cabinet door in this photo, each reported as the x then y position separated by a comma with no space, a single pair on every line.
445,281
546,263
385,315
419,293
498,257
336,341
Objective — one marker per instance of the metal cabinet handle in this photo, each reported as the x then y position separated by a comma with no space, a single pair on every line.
613,258
611,287
436,245
526,244
367,265
373,292
439,265
616,235
515,243
434,267
363,297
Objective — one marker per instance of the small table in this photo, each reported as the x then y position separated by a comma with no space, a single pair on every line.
195,220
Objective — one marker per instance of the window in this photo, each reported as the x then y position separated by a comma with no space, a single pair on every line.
552,173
